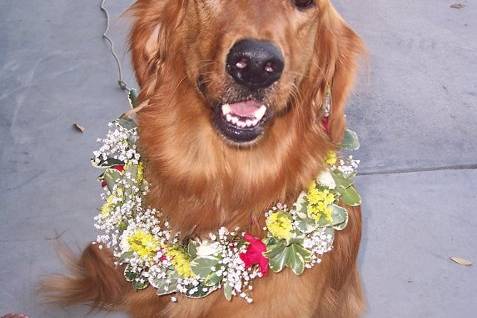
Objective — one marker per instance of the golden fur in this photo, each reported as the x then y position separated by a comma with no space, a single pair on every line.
202,182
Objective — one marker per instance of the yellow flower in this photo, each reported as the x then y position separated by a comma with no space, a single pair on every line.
139,170
319,211
111,202
180,260
143,244
331,158
316,195
108,206
279,224
140,173
320,203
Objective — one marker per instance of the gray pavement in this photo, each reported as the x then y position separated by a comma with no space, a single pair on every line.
414,108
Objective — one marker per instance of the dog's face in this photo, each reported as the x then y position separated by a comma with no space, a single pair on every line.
250,71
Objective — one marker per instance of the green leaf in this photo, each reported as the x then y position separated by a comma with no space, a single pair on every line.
340,180
132,96
132,169
126,122
274,247
350,196
329,231
111,176
293,256
350,140
202,266
213,280
166,285
324,222
270,241
140,285
298,238
200,291
135,278
123,225
228,292
165,290
301,205
340,217
192,249
295,260
129,274
108,163
306,254
125,257
306,225
277,257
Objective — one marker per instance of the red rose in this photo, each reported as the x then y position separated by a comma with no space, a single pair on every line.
325,122
254,254
120,168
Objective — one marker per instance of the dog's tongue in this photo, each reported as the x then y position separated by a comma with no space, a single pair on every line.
245,109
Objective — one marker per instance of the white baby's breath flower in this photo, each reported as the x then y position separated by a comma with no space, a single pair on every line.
326,179
207,248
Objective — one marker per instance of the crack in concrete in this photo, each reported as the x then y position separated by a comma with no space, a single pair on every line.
417,170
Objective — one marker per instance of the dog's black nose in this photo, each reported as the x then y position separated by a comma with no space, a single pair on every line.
255,64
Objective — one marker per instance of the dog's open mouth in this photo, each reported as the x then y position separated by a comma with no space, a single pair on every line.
241,122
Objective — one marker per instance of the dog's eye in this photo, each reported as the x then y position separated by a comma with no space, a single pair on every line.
303,4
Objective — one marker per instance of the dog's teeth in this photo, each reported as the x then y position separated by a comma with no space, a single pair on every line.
248,123
229,117
235,120
241,124
226,109
259,113
255,122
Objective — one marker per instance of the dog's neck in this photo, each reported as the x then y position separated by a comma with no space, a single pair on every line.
200,183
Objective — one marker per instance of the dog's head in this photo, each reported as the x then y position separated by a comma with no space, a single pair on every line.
250,71
248,62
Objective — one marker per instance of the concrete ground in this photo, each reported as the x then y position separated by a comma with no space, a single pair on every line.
414,108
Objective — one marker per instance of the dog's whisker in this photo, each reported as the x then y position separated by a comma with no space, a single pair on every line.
171,99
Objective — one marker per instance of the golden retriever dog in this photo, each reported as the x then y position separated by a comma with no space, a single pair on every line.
209,170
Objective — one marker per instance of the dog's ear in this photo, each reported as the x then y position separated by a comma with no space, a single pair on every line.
154,21
338,48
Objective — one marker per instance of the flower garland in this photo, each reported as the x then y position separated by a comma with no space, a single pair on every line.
153,255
